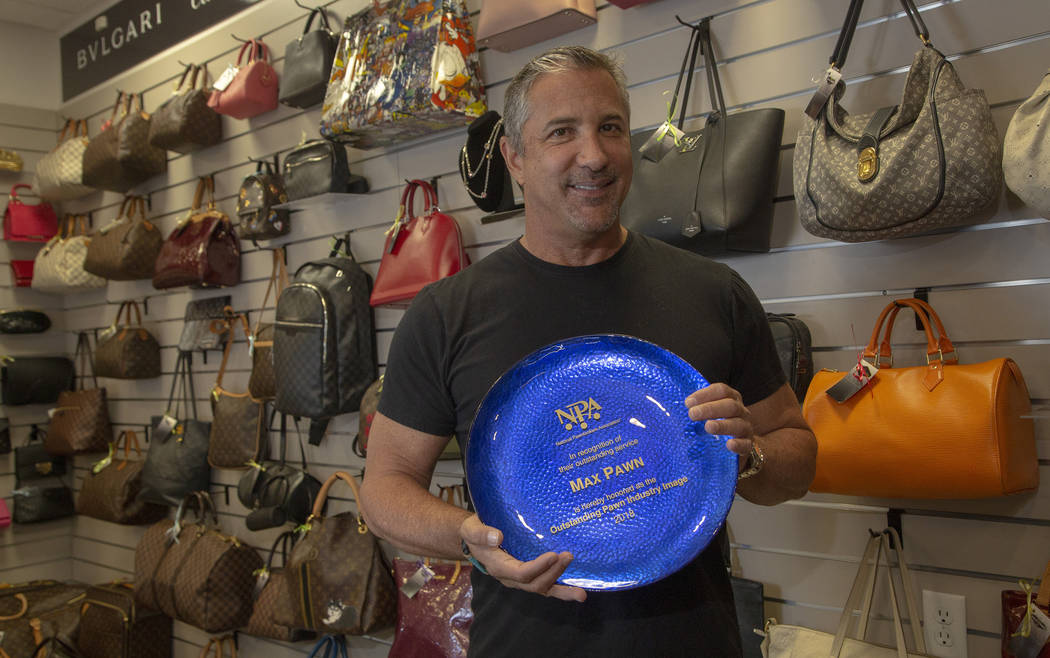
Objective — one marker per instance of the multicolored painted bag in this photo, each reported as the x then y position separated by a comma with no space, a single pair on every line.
403,70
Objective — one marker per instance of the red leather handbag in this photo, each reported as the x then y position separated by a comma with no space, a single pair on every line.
418,250
253,90
22,271
26,223
201,252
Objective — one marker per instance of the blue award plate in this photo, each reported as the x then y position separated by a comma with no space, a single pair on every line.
586,446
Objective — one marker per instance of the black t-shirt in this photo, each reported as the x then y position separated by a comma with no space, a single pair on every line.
463,332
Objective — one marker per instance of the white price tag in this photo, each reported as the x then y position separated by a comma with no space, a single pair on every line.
226,78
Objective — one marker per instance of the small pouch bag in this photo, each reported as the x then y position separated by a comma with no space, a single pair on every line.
128,351
238,426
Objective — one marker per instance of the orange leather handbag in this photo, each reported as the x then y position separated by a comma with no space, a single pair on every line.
941,430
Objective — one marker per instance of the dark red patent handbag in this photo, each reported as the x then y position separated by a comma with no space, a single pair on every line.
28,223
253,90
22,271
418,250
203,251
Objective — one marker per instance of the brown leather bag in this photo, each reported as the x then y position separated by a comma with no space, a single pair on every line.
110,492
202,251
262,384
339,581
271,587
113,626
80,422
121,157
238,426
129,351
33,612
195,573
127,248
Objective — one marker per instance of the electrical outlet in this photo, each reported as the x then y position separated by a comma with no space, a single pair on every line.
944,624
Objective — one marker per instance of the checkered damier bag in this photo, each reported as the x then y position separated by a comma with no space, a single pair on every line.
60,173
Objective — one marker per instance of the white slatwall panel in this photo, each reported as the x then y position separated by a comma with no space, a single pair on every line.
989,283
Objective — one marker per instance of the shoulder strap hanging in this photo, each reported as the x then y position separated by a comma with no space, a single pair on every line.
278,282
341,247
228,325
849,26
323,22
82,356
189,391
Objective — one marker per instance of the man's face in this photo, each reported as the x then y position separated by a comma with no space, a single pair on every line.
576,166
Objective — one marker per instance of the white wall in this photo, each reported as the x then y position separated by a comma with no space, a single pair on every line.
989,285
30,75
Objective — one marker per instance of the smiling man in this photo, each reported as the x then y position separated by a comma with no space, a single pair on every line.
577,271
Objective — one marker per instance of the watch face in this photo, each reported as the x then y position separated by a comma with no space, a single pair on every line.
586,446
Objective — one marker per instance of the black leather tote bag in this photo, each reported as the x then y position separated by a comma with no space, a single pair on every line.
709,191
308,64
34,379
177,460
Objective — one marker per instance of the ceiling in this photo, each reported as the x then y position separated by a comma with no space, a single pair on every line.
57,16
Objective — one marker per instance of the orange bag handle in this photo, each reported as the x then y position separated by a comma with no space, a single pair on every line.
944,344
941,345
25,607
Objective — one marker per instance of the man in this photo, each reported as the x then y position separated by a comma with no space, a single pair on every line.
577,271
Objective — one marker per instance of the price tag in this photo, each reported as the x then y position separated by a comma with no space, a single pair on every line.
417,581
226,78
661,142
106,333
262,576
852,382
1039,633
823,93
104,462
164,428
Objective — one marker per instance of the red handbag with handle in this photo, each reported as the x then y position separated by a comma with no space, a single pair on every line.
418,250
28,223
202,251
253,90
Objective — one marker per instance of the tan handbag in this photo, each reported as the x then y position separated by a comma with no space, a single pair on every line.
80,421
238,426
128,351
941,430
1026,151
194,572
262,384
110,491
59,174
507,25
339,582
125,249
786,641
59,266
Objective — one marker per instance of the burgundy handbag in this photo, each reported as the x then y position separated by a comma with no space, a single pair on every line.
26,223
202,251
22,273
418,250
253,89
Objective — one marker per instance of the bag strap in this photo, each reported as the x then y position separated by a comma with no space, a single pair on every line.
71,128
219,644
849,26
939,346
240,55
13,194
128,307
863,588
688,64
82,356
278,282
190,68
205,185
131,441
228,325
184,379
341,247
322,497
323,22
116,106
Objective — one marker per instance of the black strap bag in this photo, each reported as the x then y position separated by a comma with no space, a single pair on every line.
709,191
319,167
795,348
177,460
259,193
277,492
34,379
308,64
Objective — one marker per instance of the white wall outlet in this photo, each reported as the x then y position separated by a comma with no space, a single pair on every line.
944,624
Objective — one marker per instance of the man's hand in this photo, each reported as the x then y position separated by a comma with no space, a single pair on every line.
723,409
539,576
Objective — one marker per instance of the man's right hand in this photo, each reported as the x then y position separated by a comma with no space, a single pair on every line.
539,575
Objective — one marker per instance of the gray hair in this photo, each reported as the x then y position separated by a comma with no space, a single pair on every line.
556,60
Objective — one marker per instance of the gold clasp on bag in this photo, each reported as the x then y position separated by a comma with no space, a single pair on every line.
867,164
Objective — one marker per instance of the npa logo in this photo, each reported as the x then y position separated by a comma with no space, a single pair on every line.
578,413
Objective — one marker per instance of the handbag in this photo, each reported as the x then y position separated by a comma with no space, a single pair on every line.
128,351
433,603
22,273
1020,635
184,123
784,640
34,379
262,384
28,223
338,580
40,494
308,63
1026,150
80,421
59,266
110,491
24,321
121,157
259,193
481,165
749,601
35,612
60,173
403,70
277,492
196,328
271,593
113,626
5,436
505,25
177,459
126,249
795,349
202,251
712,191
253,89
418,250
941,430
319,167
931,162
238,424
215,594
10,161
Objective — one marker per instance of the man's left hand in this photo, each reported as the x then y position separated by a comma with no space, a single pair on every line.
723,409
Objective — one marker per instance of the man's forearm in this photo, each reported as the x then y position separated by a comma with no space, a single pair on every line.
400,510
788,470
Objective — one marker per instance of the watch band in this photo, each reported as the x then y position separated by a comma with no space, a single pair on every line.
755,461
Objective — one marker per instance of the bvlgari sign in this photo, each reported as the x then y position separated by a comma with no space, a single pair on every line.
132,31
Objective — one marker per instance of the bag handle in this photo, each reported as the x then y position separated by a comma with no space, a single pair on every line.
282,543
116,106
323,22
190,68
184,379
240,55
13,194
23,608
322,497
333,646
205,185
228,325
934,346
278,282
849,26
219,644
204,508
128,307
70,128
83,355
